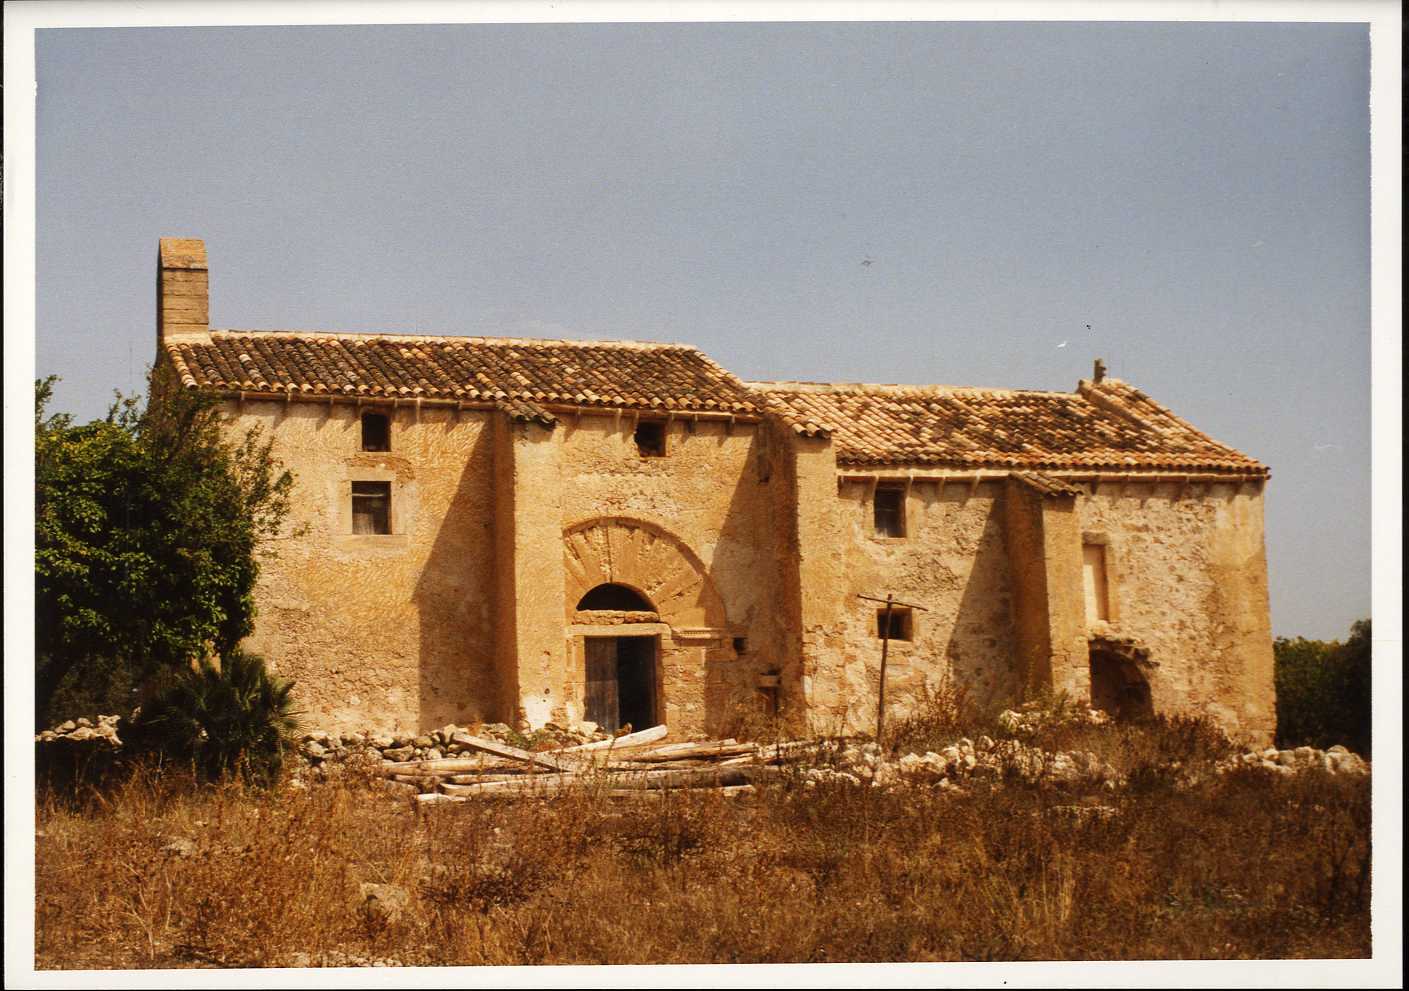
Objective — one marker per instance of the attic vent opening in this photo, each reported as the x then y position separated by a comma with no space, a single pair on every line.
376,432
650,439
617,598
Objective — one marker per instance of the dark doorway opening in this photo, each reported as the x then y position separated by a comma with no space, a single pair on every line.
1119,687
621,682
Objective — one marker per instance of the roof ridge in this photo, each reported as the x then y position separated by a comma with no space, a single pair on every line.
889,388
623,343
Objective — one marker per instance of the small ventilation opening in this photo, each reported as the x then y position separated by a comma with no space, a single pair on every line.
899,628
376,432
741,646
650,439
617,598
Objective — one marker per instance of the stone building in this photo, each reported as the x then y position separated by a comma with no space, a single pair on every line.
531,530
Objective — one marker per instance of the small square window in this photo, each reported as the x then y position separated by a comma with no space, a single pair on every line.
741,646
901,624
371,507
376,432
650,439
890,511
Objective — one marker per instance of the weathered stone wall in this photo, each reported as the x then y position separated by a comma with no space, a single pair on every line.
1187,576
388,632
696,524
953,561
741,536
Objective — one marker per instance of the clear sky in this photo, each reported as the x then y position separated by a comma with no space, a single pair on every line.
1199,194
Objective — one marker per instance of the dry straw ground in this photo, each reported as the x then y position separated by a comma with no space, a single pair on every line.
155,872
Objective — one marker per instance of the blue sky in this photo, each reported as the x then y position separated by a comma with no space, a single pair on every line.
1198,193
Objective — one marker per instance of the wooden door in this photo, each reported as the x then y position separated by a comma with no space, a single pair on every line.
602,693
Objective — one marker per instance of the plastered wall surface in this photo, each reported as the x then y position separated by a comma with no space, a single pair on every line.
709,507
754,554
1187,576
389,632
952,560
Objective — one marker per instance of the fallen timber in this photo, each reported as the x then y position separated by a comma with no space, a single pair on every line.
625,766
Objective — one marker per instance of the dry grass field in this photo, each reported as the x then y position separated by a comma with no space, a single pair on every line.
155,871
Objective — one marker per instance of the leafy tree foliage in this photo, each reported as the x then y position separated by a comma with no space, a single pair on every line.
236,718
148,526
1323,691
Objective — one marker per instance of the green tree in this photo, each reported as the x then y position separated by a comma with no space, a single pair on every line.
148,527
1323,690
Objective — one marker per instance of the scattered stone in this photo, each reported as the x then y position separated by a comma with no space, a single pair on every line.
384,902
180,847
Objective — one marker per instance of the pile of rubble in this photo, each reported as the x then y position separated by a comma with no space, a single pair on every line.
1336,760
320,747
103,733
967,761
1030,717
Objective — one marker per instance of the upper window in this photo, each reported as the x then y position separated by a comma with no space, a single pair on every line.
650,438
890,511
376,432
371,507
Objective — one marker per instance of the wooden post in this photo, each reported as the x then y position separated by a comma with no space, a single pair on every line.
885,649
890,602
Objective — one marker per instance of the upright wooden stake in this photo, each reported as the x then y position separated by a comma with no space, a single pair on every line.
885,649
890,602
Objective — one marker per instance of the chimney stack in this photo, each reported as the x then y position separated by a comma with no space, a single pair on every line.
183,288
1099,371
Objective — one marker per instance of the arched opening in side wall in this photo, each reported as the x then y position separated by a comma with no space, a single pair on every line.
1118,685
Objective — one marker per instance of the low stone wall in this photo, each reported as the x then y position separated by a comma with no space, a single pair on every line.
320,748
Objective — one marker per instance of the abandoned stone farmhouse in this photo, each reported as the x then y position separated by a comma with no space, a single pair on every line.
517,530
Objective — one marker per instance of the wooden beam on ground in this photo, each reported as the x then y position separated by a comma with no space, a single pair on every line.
504,750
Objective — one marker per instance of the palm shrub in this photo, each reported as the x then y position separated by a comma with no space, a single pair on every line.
236,718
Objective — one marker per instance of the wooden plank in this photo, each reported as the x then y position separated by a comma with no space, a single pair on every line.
504,750
602,703
445,765
532,783
699,752
637,739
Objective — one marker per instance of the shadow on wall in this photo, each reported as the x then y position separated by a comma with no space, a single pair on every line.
751,568
455,596
981,654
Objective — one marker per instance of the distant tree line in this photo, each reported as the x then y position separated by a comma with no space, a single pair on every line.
1323,691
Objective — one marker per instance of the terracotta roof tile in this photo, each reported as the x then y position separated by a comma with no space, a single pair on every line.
1106,426
520,373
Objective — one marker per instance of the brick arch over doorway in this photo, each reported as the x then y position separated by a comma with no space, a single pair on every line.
646,559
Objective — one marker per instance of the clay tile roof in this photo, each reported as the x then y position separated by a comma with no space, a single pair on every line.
1107,426
1047,485
524,376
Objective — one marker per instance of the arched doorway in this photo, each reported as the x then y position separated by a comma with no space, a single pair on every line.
621,670
1118,683
646,627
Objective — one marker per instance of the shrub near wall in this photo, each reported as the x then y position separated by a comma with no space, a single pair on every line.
1323,691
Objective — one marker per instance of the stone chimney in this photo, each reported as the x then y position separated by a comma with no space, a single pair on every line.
183,288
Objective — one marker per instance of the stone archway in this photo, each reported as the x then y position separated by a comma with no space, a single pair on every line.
647,559
683,634
1119,684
